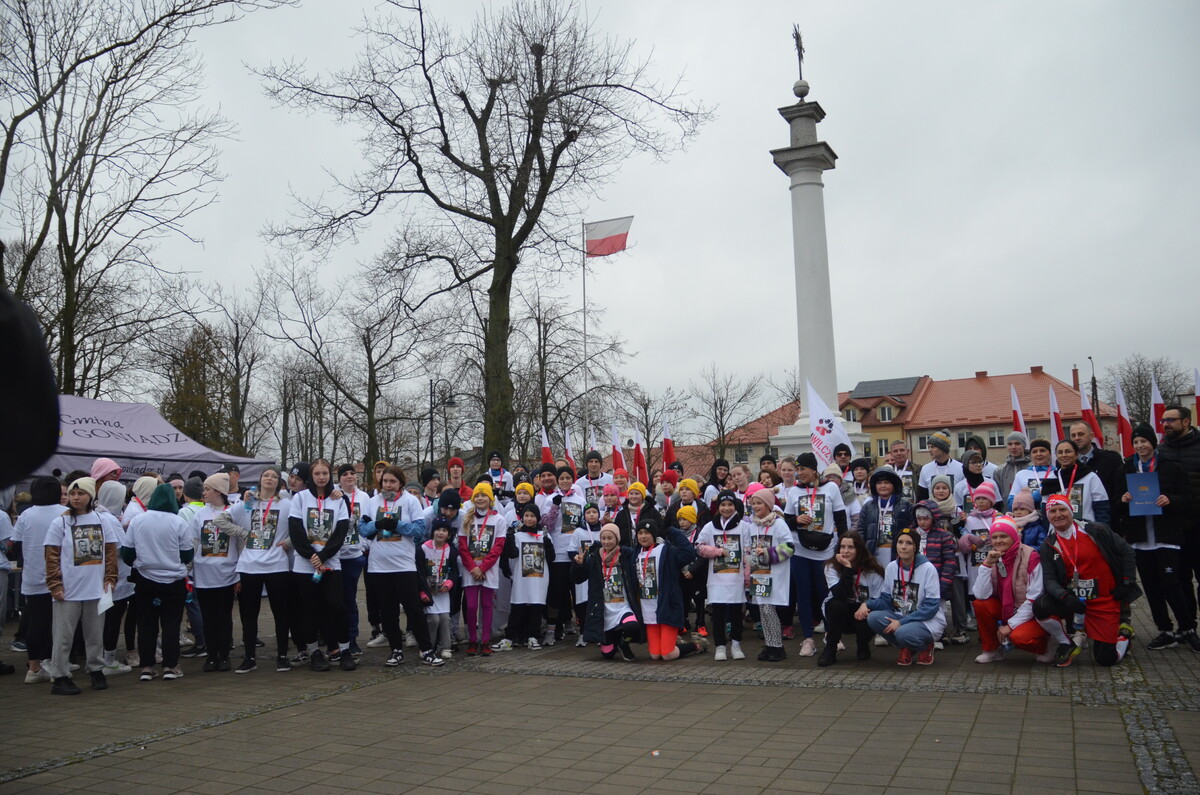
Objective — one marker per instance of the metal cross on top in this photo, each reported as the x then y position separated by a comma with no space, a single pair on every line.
799,40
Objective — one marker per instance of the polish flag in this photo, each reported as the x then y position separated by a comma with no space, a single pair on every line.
1196,375
568,454
591,438
1089,417
668,455
641,472
602,238
547,456
1018,417
1055,421
1158,406
1124,426
618,459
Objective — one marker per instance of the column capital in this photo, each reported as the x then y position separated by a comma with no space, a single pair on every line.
819,155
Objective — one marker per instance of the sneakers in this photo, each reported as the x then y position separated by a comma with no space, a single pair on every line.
133,659
1126,630
410,640
472,649
99,682
1191,639
925,657
63,686
18,645
580,643
395,658
819,629
348,663
194,652
808,648
248,665
626,652
429,658
447,654
223,664
703,631
377,641
549,640
905,657
828,656
1080,639
301,658
355,650
317,661
147,675
937,644
1165,640
990,657
116,668
879,641
735,650
1047,656
532,644
1066,654
719,655
504,644
36,677
210,665
485,650
282,663
789,632
959,639
170,673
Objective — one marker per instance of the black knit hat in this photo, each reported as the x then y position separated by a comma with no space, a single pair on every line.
807,460
428,474
1039,443
530,507
302,471
494,454
450,499
593,455
441,522
344,468
1145,430
842,448
544,468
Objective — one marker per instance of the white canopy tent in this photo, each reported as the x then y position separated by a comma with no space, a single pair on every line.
137,437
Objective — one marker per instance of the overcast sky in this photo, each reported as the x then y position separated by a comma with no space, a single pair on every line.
1018,183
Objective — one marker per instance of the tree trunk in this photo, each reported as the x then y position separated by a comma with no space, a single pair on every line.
497,382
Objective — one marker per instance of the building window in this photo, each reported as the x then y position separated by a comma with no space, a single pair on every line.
851,415
884,413
922,444
741,456
962,440
996,438
882,446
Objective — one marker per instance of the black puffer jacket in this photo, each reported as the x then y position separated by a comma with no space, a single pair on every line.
1171,526
1185,451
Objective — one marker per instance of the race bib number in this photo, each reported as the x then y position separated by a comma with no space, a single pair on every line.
262,534
862,593
978,556
614,586
213,543
319,524
533,559
730,561
885,528
760,585
592,493
648,578
905,597
968,503
757,542
584,546
570,513
87,544
1076,498
814,506
481,540
1085,589
906,486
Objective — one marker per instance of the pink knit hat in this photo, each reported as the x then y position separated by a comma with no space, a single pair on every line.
985,490
1006,525
104,466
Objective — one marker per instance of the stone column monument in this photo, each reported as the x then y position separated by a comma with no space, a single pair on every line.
803,161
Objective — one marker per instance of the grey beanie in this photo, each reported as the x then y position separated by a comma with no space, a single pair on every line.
1017,436
193,489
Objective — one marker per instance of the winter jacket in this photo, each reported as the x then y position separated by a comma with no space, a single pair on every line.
591,571
676,553
1118,554
941,549
1007,472
1170,527
625,523
1185,451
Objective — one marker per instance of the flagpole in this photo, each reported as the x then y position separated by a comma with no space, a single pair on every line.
583,267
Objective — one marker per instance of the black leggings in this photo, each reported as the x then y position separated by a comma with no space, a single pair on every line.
525,622
121,609
216,609
320,612
168,614
693,597
393,589
559,597
279,586
840,620
38,636
613,638
723,614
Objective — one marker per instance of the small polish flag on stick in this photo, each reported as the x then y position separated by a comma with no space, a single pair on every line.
1158,406
1124,426
1089,417
547,456
1018,417
569,455
641,472
669,445
618,459
602,238
1055,421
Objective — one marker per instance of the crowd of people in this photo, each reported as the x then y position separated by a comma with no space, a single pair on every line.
1041,554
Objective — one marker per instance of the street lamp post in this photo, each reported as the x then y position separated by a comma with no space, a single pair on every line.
447,402
1095,400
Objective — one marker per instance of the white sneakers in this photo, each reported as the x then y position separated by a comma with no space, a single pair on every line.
377,642
36,677
808,648
735,650
879,640
720,655
994,656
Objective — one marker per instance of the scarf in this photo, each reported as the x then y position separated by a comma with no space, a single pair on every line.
948,506
1026,520
973,480
764,522
1007,595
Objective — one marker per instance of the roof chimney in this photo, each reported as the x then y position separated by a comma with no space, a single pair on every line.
981,374
1036,369
1075,378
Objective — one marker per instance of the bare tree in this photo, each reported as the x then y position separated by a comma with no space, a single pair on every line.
788,386
1135,373
722,401
486,139
647,412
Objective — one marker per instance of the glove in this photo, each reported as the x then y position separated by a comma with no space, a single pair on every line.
1121,593
557,499
386,524
1074,603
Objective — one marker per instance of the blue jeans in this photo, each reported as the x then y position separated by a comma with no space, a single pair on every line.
912,635
195,620
352,569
